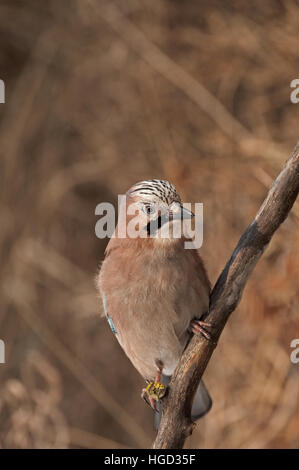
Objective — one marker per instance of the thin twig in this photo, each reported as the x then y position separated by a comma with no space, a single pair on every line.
159,61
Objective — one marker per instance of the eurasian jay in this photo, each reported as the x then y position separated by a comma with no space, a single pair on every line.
155,291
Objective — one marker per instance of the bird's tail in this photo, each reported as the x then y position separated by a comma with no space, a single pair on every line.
201,405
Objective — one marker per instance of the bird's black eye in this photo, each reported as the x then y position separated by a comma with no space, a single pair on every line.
148,209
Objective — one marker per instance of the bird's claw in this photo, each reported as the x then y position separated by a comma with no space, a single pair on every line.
153,393
199,326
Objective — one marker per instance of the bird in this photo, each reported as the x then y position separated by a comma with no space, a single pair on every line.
154,290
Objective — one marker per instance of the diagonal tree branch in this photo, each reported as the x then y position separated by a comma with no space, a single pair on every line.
176,424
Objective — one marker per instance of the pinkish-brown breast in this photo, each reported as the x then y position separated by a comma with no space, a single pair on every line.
151,291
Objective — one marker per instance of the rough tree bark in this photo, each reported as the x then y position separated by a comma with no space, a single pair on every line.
176,424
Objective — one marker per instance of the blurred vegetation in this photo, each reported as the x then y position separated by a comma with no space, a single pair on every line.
100,95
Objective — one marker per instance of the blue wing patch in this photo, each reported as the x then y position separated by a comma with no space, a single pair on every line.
110,321
111,324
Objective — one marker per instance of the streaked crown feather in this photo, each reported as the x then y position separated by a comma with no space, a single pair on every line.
154,190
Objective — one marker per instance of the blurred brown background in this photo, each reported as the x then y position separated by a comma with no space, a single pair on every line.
100,95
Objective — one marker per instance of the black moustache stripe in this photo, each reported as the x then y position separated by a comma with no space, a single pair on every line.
155,224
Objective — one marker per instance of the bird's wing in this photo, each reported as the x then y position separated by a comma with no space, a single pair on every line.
110,321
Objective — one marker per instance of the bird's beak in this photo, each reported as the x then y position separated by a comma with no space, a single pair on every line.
181,213
186,214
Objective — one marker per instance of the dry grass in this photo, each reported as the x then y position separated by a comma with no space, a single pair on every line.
95,101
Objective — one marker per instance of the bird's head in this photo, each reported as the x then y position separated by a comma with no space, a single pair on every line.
156,207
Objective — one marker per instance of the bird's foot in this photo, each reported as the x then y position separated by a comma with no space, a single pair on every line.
199,326
153,392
